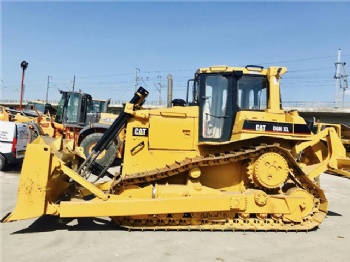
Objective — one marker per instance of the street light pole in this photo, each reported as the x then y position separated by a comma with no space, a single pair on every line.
73,83
24,66
47,89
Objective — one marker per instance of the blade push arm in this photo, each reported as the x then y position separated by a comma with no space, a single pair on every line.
111,133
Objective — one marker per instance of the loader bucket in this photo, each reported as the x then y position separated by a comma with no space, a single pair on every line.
41,181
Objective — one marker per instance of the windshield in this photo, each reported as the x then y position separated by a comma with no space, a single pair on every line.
72,108
252,92
60,107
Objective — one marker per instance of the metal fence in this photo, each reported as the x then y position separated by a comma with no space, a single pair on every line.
113,103
315,104
286,104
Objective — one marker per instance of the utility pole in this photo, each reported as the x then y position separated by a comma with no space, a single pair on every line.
160,90
24,66
341,79
136,78
170,89
47,89
345,82
337,77
73,83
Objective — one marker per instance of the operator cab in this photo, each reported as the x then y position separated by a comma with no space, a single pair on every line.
220,92
73,108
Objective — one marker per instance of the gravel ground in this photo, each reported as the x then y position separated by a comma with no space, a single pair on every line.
45,239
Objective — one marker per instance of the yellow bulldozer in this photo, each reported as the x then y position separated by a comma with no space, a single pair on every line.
226,158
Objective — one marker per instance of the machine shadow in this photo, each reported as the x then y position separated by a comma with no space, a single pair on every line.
50,223
13,168
333,214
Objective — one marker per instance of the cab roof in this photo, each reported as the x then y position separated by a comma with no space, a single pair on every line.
249,69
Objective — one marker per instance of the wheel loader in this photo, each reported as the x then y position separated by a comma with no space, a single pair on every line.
32,110
83,119
228,157
78,117
35,113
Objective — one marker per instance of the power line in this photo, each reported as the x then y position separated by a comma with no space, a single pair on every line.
299,60
83,77
310,69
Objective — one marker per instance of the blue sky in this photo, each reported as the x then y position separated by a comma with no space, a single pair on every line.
102,44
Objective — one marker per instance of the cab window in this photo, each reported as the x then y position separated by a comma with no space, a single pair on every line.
252,93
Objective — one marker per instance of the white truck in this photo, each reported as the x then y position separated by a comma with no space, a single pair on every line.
14,138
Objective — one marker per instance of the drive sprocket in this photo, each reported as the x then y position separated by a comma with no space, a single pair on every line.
269,170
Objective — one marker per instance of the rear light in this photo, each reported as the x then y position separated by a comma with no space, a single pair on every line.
14,144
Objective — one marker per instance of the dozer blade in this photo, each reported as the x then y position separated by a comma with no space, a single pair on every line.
341,168
339,162
330,153
40,179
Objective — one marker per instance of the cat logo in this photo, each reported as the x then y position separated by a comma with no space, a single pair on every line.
138,131
260,127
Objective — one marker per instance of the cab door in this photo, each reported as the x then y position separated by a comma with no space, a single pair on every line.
216,112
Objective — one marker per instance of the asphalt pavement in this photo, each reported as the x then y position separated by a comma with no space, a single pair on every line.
98,239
